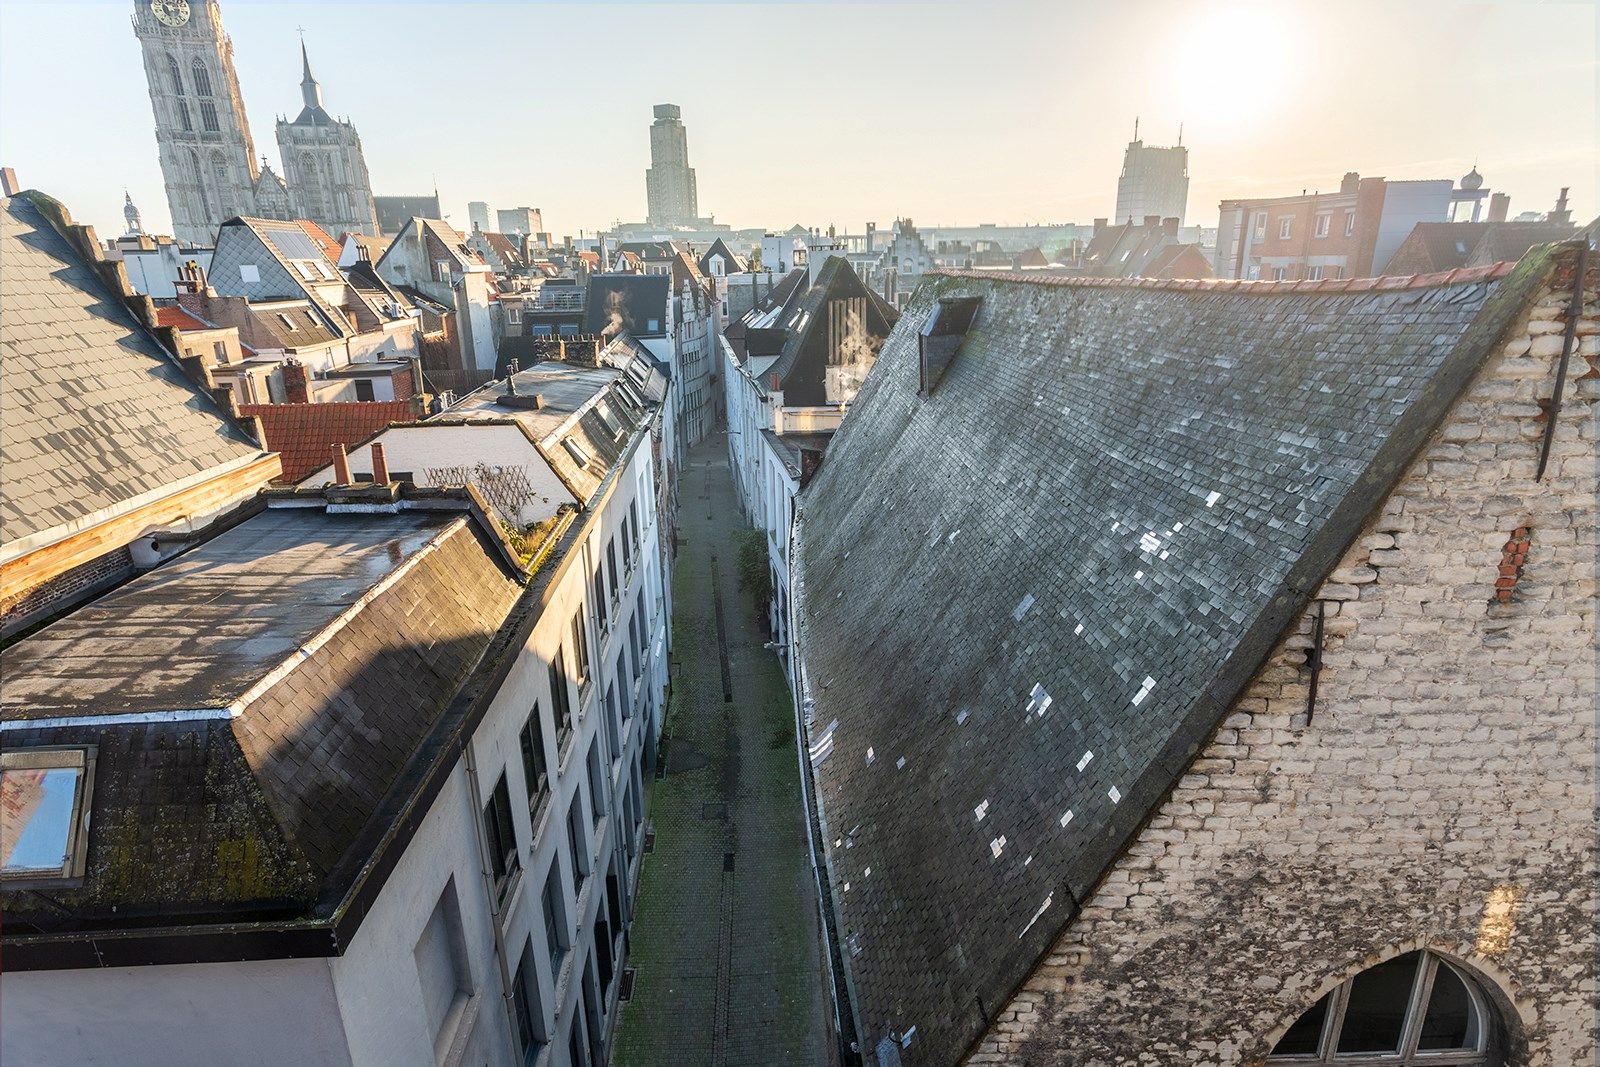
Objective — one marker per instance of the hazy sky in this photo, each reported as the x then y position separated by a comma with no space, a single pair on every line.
840,112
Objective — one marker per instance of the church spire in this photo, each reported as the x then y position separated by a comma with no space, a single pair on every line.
310,91
131,213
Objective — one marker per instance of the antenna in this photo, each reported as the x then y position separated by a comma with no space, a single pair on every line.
1180,135
1136,127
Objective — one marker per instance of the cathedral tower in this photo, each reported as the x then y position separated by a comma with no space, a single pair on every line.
323,164
207,157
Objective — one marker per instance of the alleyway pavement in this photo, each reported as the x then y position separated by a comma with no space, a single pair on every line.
725,939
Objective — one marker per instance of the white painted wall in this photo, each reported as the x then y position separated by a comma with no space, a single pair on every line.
260,1012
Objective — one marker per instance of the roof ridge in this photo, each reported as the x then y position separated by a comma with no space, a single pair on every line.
1436,279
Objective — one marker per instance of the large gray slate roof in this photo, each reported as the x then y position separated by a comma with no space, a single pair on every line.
93,413
1029,597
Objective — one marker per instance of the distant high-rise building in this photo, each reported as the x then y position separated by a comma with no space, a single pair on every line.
323,166
520,220
478,216
669,183
1154,181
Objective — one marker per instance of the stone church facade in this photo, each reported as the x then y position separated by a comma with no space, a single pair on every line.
208,157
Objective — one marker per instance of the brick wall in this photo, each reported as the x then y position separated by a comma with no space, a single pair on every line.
1442,795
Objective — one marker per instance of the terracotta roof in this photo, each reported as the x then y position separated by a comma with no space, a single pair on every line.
179,319
304,434
329,246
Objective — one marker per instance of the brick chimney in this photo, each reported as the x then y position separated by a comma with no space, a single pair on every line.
296,390
1350,182
341,466
1099,226
1170,226
1152,222
8,182
380,466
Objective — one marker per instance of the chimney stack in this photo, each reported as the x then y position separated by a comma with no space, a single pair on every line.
1170,226
8,182
1152,222
1561,212
1499,206
341,466
1100,225
380,466
1350,183
296,390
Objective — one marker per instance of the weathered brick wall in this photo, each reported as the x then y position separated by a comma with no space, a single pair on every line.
1443,794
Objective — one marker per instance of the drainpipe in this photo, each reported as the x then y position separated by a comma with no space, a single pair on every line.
486,874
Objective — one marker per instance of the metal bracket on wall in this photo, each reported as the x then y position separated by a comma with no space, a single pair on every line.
1574,312
1316,660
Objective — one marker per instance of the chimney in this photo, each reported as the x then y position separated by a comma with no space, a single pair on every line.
1170,226
1561,212
1152,222
1499,206
341,466
8,182
872,233
295,388
1349,182
380,466
1099,226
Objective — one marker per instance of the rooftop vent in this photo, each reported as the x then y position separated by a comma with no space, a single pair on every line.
942,335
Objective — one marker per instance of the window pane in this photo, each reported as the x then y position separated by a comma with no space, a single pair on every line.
1450,1022
1377,1011
1305,1035
37,804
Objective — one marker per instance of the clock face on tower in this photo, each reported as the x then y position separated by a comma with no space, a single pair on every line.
171,12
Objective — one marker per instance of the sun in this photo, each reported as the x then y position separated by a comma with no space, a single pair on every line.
1228,66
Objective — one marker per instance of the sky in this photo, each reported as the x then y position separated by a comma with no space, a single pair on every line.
834,113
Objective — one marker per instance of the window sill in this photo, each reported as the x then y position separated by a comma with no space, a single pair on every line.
510,898
458,1024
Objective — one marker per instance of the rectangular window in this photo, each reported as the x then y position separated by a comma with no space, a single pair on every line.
560,701
1278,274
208,116
625,690
613,729
288,323
1285,228
514,316
249,274
1349,223
1324,222
1338,272
644,624
45,796
627,551
633,521
611,569
183,117
364,390
440,955
1314,274
1261,224
555,921
579,454
504,858
441,270
220,350
535,772
600,600
597,782
578,839
530,1016
580,646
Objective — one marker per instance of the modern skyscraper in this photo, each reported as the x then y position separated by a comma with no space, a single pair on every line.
208,159
478,215
323,165
1154,181
669,183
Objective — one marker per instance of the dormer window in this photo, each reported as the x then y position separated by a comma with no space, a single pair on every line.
44,803
942,335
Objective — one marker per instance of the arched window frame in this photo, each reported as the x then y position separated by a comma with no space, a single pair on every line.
202,78
200,183
1490,1026
175,75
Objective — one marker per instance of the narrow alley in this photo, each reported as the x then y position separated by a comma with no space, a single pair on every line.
725,939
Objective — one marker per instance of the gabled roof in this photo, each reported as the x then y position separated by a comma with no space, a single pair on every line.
304,434
762,330
650,251
1028,597
179,319
1507,242
834,336
319,237
94,414
630,302
1433,246
719,247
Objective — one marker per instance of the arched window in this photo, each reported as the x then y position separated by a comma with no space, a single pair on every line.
174,76
208,116
202,79
200,184
1414,1009
183,117
224,187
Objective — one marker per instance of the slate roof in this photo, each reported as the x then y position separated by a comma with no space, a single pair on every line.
1432,246
303,435
762,330
93,412
268,807
395,211
1027,598
734,262
628,302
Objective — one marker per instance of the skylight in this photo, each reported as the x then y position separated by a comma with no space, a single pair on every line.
576,451
44,813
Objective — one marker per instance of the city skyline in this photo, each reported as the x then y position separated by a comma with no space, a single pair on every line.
1303,129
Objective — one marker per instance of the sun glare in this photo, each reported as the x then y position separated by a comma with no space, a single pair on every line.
1227,65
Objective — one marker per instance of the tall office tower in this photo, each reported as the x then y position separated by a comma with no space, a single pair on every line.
208,159
1154,181
669,183
478,215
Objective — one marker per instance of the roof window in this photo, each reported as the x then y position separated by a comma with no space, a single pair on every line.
579,455
44,804
942,335
609,417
